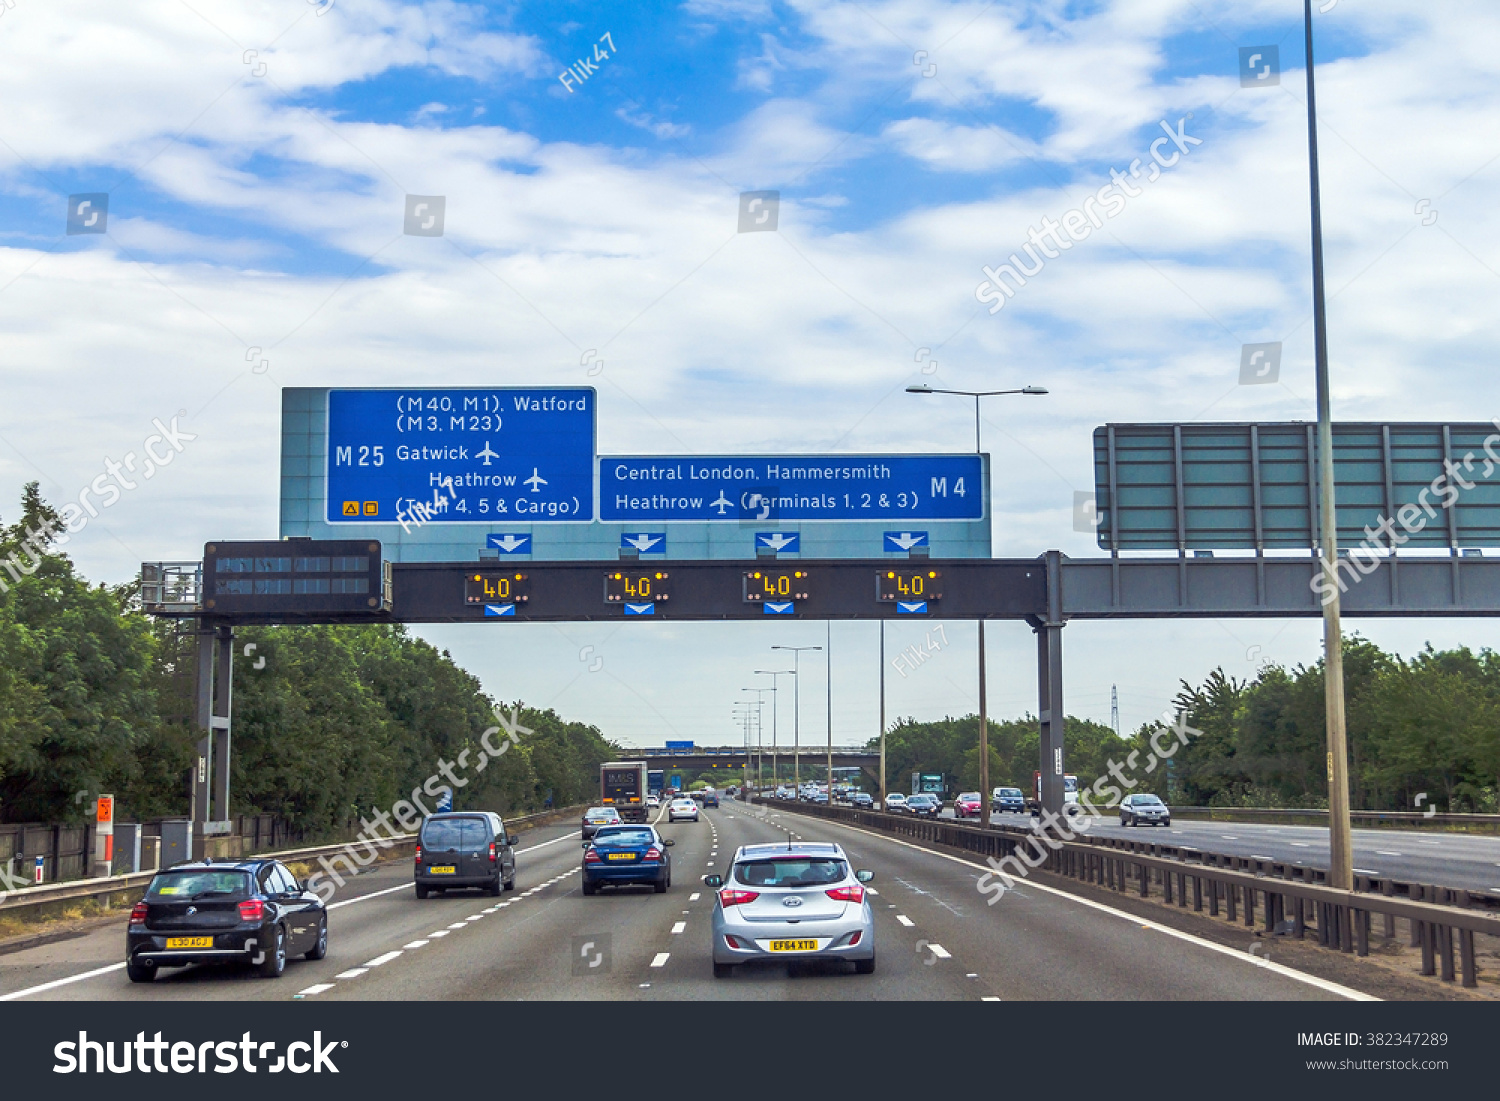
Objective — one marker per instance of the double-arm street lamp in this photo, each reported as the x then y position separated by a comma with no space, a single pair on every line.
984,739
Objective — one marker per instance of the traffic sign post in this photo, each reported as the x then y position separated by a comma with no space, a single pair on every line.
104,836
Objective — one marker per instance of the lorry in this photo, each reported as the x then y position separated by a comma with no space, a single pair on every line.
623,785
656,781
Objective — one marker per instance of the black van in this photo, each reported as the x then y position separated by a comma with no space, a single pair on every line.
464,849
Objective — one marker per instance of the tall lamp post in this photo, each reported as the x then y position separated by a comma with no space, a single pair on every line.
1340,853
984,736
796,652
773,674
759,756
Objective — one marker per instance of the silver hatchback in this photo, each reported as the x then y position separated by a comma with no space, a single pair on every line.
794,901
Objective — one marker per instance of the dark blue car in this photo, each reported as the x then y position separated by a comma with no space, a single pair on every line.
626,854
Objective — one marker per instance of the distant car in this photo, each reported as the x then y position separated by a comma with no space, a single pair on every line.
464,850
626,854
895,802
968,805
254,911
653,800
862,799
595,817
711,799
795,901
926,806
1144,810
684,809
1007,800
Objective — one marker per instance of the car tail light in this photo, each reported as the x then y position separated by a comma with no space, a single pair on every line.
494,852
419,854
732,941
138,914
591,856
730,897
854,939
653,853
252,909
855,892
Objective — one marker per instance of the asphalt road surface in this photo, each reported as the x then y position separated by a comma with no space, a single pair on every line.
937,939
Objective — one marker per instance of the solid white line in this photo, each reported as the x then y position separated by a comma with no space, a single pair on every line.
1232,953
661,959
316,988
387,958
352,973
372,894
904,920
679,927
989,998
55,983
416,944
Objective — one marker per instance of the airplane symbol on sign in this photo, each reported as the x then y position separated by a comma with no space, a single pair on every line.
487,454
536,481
722,503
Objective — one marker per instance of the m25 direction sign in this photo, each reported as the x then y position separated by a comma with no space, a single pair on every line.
418,456
901,488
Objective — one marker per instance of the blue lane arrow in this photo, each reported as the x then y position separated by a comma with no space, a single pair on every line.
644,542
640,609
779,541
904,540
911,607
499,609
779,607
510,542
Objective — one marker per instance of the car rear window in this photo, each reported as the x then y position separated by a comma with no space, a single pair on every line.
199,883
456,833
610,836
795,871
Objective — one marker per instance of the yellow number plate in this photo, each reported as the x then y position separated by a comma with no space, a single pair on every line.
443,869
622,856
793,946
190,942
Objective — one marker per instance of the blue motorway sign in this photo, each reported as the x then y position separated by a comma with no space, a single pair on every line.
792,487
415,456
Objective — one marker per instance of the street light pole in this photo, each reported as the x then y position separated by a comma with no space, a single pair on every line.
773,674
796,712
759,756
1340,853
882,716
984,735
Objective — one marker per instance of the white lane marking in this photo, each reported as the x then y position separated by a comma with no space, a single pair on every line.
372,894
1232,953
439,933
1300,845
871,891
679,927
379,961
1384,852
695,896
473,917
352,973
1229,836
416,944
458,925
55,983
710,864
316,988
661,959
1257,856
904,920
939,951
989,998
1366,871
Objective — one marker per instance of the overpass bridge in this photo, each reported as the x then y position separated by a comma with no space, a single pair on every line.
702,758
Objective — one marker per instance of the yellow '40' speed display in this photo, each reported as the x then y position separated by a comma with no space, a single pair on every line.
497,588
908,584
636,586
776,585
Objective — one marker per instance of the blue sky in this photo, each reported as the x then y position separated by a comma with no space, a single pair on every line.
255,241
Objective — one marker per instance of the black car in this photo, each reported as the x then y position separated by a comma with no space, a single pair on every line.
924,806
464,849
253,911
711,799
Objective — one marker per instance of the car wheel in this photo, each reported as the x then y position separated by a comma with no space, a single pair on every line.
660,886
320,949
865,967
273,963
723,970
1168,822
421,890
590,888
1124,821
510,884
140,972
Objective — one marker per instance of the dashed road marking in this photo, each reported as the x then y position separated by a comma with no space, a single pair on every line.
379,961
939,951
439,933
661,959
678,927
352,973
695,896
904,920
316,988
416,944
1383,852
